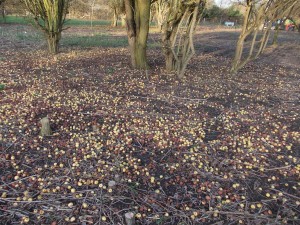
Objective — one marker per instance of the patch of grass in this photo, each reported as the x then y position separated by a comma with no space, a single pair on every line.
77,22
29,36
21,33
69,22
94,41
17,20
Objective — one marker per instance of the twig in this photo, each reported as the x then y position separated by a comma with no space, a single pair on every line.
17,181
290,195
190,99
278,168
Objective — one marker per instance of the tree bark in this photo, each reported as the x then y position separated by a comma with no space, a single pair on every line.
137,19
178,32
115,18
160,10
264,40
253,43
123,20
170,31
241,40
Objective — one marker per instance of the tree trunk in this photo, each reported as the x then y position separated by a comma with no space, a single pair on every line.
140,55
238,53
170,31
131,32
264,40
170,60
178,34
253,44
115,18
123,20
241,40
53,40
49,16
137,19
3,11
160,10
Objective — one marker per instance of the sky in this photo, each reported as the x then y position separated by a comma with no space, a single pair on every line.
222,3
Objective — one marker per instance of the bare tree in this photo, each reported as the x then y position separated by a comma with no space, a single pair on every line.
263,12
178,31
49,16
161,10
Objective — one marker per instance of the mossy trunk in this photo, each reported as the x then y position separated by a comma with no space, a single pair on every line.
170,61
140,55
137,20
53,43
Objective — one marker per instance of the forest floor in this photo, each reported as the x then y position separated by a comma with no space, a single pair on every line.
213,148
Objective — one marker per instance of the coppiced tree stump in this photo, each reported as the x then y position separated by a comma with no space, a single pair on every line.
129,218
45,130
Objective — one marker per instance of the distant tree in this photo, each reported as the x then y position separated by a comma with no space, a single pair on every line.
49,16
117,8
12,7
137,21
89,9
78,8
160,10
233,14
2,8
214,13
